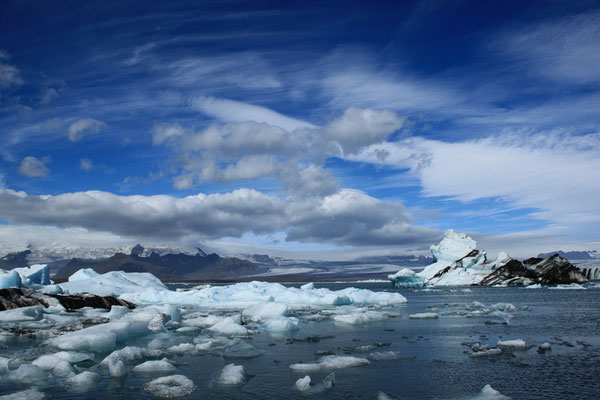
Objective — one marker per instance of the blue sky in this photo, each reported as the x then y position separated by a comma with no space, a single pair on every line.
325,129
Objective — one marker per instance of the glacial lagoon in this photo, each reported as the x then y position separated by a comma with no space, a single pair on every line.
431,358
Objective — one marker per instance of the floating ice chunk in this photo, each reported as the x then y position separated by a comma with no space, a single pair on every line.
534,286
130,354
154,319
83,381
308,286
100,338
489,393
233,375
228,327
545,346
116,367
572,286
23,314
303,384
329,381
385,355
427,315
516,343
384,396
114,283
182,348
63,370
4,365
478,304
36,274
73,356
46,362
406,278
28,374
116,312
50,289
281,325
486,353
170,386
331,362
364,318
202,322
158,366
31,394
506,307
241,349
9,279
264,311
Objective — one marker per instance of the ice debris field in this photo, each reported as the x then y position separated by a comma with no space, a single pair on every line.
76,349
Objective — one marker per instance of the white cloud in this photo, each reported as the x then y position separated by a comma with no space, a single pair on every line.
251,150
565,49
33,167
343,218
9,74
47,95
83,127
357,128
86,164
235,111
553,174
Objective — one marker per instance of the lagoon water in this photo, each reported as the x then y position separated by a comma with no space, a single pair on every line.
434,362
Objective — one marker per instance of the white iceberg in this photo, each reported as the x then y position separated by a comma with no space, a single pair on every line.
170,386
84,381
262,311
489,393
331,362
232,375
31,394
303,384
364,318
155,366
281,325
114,283
426,315
516,343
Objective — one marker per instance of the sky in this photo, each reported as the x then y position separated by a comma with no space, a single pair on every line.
328,130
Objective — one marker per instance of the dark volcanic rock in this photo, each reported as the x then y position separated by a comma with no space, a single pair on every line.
15,298
552,270
555,270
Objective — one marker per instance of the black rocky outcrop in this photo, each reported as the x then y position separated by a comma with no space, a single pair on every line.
552,270
12,298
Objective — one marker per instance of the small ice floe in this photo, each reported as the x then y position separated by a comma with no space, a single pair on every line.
384,396
170,386
364,318
130,355
534,286
63,370
83,381
263,311
303,384
281,325
228,327
426,315
386,355
489,393
515,344
117,368
331,362
504,307
241,349
308,286
31,394
572,286
544,347
486,353
183,348
28,374
155,366
232,375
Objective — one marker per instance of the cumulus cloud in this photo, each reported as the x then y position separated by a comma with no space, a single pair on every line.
346,217
33,167
252,149
83,127
552,174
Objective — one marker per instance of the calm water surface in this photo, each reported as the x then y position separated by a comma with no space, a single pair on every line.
437,365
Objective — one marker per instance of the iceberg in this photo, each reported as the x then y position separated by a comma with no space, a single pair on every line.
303,384
155,366
331,362
114,283
170,386
459,263
232,375
427,315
